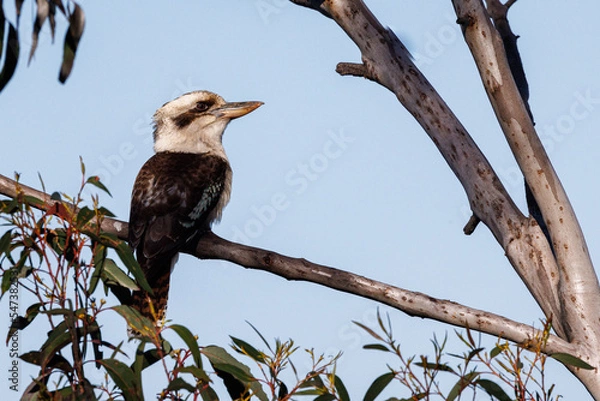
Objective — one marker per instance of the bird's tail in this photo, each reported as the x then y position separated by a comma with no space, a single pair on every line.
158,274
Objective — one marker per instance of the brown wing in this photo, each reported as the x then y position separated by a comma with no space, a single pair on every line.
172,198
173,195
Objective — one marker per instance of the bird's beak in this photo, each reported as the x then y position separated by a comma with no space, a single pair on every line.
236,109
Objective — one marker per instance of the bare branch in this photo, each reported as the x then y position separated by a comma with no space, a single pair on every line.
211,246
353,69
577,285
388,62
471,225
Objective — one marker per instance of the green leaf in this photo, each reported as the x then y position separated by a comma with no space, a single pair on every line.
198,373
76,25
95,181
180,384
8,278
368,330
569,359
58,338
148,358
11,57
112,274
248,349
143,326
21,322
260,335
10,207
341,389
95,334
125,379
33,201
126,256
5,242
325,397
84,215
378,347
378,385
56,362
435,366
474,352
191,342
221,360
208,394
105,212
461,384
496,351
493,389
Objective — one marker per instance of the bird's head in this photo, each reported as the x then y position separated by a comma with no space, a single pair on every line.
195,122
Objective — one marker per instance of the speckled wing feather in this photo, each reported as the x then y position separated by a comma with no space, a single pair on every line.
173,198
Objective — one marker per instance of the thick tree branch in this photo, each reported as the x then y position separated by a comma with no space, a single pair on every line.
211,246
578,286
387,62
498,12
568,291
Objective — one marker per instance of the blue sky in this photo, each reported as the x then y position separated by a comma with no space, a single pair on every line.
331,168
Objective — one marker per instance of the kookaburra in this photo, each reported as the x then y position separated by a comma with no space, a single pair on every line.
181,190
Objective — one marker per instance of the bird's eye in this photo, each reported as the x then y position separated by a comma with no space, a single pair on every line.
202,106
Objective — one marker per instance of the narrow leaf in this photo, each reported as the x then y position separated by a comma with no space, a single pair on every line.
11,58
5,241
378,347
138,323
2,25
191,342
368,330
59,4
95,181
248,349
198,373
21,322
180,384
496,351
461,384
18,6
58,338
221,360
76,26
56,362
112,274
341,389
84,215
208,394
378,385
43,9
493,389
126,256
435,366
325,397
52,19
125,379
569,359
261,336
